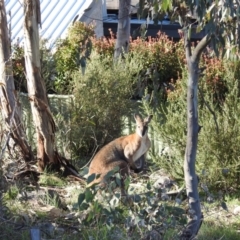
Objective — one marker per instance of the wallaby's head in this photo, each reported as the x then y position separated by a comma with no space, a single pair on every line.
142,124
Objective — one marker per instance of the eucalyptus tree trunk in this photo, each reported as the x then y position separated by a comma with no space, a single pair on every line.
191,179
123,30
42,117
9,104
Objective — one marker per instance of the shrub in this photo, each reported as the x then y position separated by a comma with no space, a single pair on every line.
161,60
217,155
105,46
102,101
147,213
19,68
47,67
71,54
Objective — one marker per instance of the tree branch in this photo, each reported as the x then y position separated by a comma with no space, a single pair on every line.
187,45
200,47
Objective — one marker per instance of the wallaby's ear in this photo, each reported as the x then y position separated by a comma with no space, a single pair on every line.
148,119
137,117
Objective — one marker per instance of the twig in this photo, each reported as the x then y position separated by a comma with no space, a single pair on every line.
90,158
93,152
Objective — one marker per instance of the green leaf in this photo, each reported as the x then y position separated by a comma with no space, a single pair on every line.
215,47
89,195
91,178
81,198
118,179
144,13
189,32
109,174
141,6
148,186
118,195
84,206
137,220
116,169
83,62
127,182
224,206
166,5
180,20
137,198
90,216
114,202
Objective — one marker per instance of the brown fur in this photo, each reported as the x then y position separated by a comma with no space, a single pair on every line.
122,152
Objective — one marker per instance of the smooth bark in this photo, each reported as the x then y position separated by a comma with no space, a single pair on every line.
123,30
9,104
191,179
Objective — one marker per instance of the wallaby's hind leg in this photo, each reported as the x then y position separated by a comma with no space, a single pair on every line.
123,170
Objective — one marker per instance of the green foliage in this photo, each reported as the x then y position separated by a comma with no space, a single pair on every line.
217,157
105,46
71,55
161,60
102,102
158,56
139,213
47,67
18,63
169,127
211,230
48,179
11,193
219,21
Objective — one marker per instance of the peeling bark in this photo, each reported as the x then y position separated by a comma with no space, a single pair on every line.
43,120
42,117
9,104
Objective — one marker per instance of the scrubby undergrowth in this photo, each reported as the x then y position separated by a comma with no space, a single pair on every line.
58,211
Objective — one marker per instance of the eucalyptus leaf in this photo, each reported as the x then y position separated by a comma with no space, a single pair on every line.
84,206
137,198
190,32
91,178
81,198
89,195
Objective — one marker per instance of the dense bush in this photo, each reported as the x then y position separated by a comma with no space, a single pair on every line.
19,68
161,60
102,101
71,54
47,67
217,155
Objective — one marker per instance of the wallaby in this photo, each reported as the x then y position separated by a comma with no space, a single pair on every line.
123,152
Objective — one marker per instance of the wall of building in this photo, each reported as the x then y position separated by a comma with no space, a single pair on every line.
114,4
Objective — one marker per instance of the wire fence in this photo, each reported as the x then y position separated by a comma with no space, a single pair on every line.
61,107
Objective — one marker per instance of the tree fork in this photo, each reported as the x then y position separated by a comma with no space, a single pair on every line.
123,29
191,179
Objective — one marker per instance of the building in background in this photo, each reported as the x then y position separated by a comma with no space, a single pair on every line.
56,17
113,6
